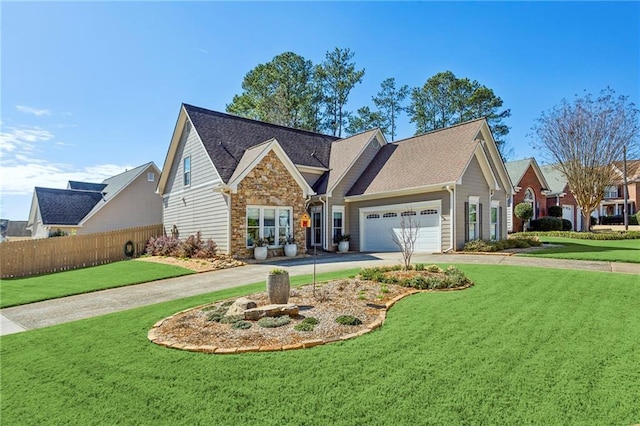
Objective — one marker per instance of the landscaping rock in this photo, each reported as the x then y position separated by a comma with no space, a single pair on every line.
239,306
271,311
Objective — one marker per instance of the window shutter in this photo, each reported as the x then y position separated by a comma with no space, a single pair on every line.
466,221
480,221
499,232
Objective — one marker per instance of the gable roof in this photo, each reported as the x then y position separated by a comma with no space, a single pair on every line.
555,178
344,153
517,169
255,154
435,158
74,206
226,137
633,170
65,206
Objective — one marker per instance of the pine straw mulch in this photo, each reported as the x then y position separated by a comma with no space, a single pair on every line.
221,261
365,300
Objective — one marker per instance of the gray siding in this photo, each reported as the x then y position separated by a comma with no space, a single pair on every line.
473,184
196,207
337,197
136,205
353,214
311,178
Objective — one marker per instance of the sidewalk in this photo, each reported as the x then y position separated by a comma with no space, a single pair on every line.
72,308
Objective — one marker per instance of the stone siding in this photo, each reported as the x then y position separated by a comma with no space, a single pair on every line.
268,184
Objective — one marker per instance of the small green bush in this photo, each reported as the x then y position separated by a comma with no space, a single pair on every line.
622,235
545,224
311,320
446,280
231,319
567,225
554,211
241,325
348,320
273,322
304,327
434,268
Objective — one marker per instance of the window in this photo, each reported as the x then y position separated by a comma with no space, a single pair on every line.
151,177
429,211
390,215
338,221
472,216
187,171
611,192
373,216
495,221
408,213
272,223
530,197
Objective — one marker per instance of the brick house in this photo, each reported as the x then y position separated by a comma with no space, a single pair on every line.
236,180
613,202
530,187
560,195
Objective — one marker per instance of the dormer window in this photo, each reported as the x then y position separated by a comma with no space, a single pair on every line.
187,171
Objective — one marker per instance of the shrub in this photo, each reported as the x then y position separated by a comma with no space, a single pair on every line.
618,220
479,246
304,327
273,322
434,268
452,277
231,319
348,320
241,325
311,320
545,224
523,211
622,235
58,233
567,225
193,247
554,211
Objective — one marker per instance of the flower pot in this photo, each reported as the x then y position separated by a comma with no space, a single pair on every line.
290,250
278,288
343,246
260,253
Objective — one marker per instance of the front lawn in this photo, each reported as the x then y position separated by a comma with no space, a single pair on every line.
19,291
523,346
605,250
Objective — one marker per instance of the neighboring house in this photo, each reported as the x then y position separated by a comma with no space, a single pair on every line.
560,195
236,180
613,202
14,230
126,200
530,187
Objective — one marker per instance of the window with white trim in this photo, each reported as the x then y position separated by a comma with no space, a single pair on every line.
337,218
428,211
611,192
373,216
473,218
408,213
151,177
495,221
390,215
186,171
271,223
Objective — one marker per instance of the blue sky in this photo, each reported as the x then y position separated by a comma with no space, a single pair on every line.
91,89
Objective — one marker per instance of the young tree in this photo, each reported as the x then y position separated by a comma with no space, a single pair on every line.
406,239
337,76
584,138
523,211
445,100
388,101
281,91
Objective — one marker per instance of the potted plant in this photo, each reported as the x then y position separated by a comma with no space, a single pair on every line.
278,286
343,242
260,248
290,246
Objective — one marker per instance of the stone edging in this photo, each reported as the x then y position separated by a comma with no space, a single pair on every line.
153,335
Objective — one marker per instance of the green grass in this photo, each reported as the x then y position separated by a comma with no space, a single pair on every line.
19,291
605,250
523,346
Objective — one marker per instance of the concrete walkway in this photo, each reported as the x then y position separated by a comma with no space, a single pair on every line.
72,308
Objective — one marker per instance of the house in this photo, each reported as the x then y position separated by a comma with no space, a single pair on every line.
236,180
613,202
530,187
560,195
126,200
14,230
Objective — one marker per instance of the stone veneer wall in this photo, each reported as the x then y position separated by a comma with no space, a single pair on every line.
268,184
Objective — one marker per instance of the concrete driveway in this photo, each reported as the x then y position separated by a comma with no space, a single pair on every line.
72,308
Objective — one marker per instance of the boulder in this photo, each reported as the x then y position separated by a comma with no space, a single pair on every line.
239,306
271,311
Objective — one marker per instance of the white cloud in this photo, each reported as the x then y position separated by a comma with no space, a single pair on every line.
21,176
31,110
202,50
23,139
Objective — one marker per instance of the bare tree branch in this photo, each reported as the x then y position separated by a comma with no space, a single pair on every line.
406,238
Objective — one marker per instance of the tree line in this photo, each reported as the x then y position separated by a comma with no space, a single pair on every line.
291,91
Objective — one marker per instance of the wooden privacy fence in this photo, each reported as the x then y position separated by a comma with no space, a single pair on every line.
43,256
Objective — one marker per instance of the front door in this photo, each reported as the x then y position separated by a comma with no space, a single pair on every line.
316,226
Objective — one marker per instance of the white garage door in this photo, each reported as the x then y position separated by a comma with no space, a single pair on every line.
380,224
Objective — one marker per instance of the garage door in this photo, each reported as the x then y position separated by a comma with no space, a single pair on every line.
380,224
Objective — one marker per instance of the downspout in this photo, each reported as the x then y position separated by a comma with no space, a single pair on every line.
452,216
